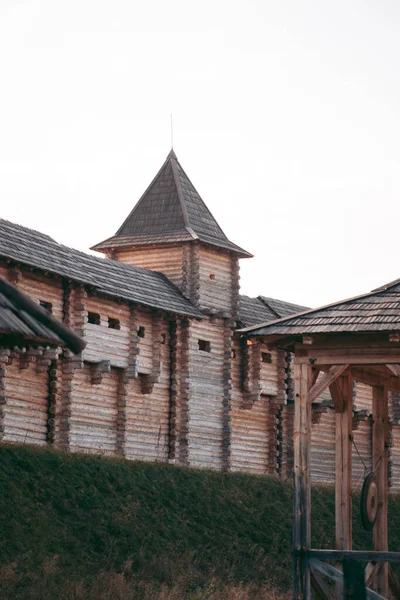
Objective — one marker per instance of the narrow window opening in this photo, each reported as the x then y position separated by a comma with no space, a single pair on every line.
163,338
266,357
46,305
94,318
233,353
212,275
114,323
204,346
141,331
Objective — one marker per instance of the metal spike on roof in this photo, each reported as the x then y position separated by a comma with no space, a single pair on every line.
170,210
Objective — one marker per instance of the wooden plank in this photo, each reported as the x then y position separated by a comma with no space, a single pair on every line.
337,575
319,586
325,381
370,571
395,369
361,555
354,356
343,478
394,583
343,464
302,483
380,441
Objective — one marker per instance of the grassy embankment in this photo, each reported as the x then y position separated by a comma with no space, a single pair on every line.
80,527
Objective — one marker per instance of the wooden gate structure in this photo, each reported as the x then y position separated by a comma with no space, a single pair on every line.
356,339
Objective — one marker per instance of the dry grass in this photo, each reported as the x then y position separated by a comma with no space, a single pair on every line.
122,586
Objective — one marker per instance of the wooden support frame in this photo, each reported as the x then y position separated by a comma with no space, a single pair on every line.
325,381
302,493
343,468
380,441
334,361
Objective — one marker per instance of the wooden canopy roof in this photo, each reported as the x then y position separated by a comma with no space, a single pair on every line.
376,311
170,210
24,322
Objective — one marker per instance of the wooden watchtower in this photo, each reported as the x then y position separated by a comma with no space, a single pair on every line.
357,339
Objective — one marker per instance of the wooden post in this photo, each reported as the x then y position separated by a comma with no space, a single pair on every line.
302,483
380,437
343,478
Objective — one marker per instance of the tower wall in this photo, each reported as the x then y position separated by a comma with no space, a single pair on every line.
164,258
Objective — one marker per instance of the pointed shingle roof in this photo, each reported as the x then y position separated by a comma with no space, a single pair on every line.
170,210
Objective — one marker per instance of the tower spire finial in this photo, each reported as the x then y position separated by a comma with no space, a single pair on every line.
172,133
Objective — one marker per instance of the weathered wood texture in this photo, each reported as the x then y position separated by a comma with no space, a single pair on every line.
148,415
206,394
104,342
167,259
216,274
43,289
395,459
26,405
93,420
323,447
380,438
302,493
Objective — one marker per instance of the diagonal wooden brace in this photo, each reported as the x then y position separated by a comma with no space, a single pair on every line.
325,381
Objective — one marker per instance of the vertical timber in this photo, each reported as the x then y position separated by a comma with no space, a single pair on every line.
302,483
343,512
380,437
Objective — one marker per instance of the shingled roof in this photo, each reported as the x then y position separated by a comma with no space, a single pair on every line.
258,310
170,210
23,322
377,311
113,278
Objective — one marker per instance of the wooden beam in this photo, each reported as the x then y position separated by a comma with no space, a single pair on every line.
337,575
319,586
380,444
394,583
343,468
337,396
370,376
344,421
325,381
359,356
395,369
361,555
302,483
370,571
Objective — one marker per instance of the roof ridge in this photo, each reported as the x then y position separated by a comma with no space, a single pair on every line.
146,190
261,298
178,184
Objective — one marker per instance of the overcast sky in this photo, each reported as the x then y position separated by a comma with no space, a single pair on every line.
286,119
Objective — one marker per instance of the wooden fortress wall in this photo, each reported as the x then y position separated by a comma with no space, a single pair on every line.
157,387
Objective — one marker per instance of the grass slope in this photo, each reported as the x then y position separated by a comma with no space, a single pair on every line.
75,526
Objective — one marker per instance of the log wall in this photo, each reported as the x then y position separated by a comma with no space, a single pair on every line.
93,420
206,394
166,259
158,396
43,289
25,411
148,415
215,281
103,342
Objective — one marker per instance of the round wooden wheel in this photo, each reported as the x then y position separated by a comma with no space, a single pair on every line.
369,503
